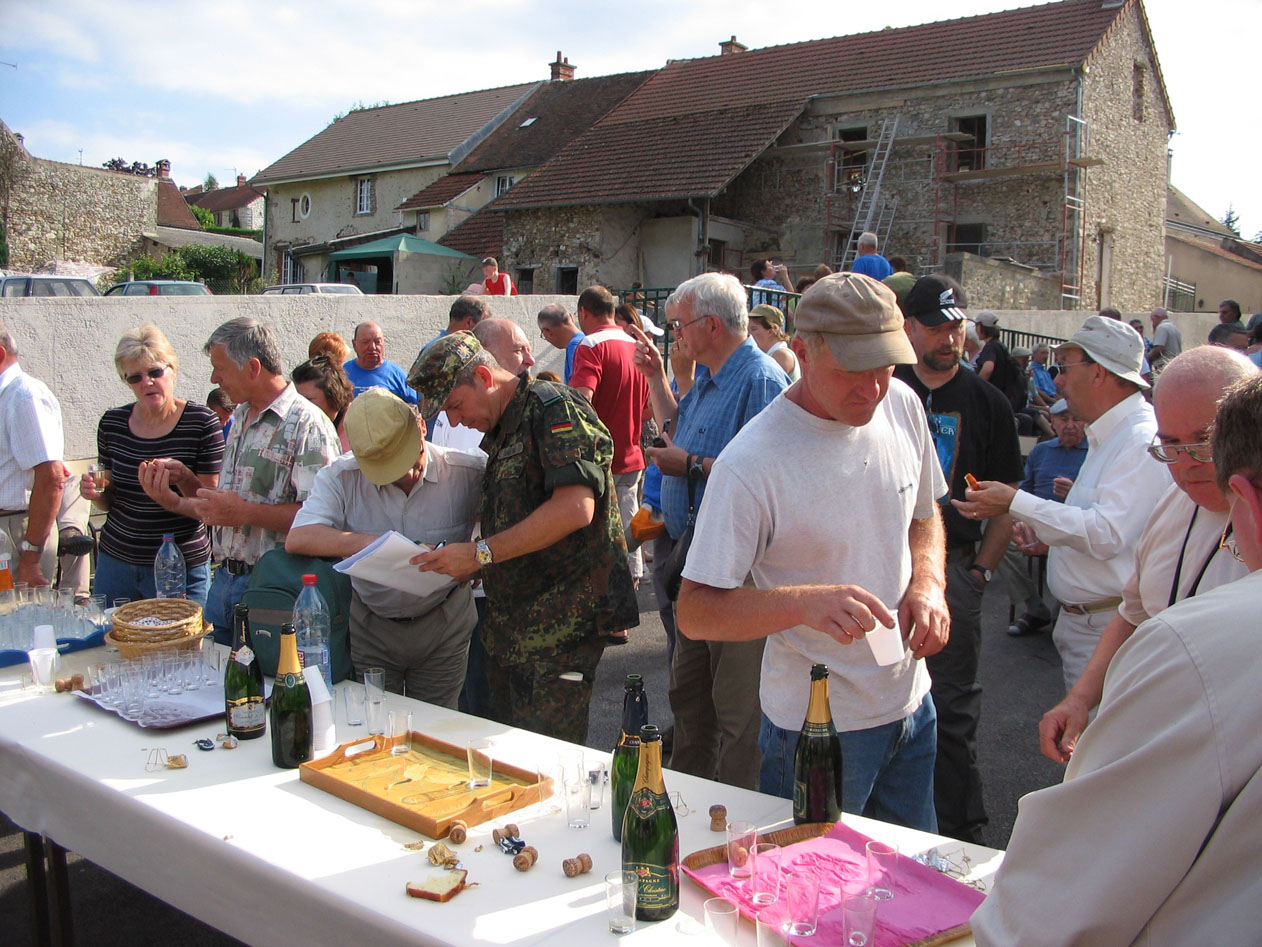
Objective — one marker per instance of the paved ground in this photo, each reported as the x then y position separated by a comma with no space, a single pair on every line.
1021,677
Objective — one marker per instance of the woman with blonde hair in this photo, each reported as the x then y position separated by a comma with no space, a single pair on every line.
766,328
156,453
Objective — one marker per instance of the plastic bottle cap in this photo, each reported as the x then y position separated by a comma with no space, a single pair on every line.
309,579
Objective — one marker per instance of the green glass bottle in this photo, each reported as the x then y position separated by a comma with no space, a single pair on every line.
243,682
290,716
626,755
817,759
650,835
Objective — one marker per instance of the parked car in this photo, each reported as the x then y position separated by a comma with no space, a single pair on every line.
31,285
158,287
292,289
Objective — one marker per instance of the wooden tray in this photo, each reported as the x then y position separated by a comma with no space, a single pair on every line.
424,790
785,837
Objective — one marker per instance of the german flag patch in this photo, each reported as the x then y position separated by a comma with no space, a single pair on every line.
563,428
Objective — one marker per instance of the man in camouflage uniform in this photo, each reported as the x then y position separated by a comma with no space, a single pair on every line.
552,557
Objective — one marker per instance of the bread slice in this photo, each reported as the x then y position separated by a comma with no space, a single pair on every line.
440,887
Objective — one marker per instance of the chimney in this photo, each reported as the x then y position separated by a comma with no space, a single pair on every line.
731,47
562,71
164,169
240,180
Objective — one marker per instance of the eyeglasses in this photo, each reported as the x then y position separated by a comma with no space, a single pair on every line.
1063,365
1228,541
154,373
1200,452
675,325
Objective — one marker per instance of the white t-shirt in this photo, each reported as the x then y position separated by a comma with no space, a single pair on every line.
795,499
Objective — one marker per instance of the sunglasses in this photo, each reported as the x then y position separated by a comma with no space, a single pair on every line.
154,373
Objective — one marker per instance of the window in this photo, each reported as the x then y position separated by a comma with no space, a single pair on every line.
503,183
970,155
967,238
304,206
1137,92
363,196
422,220
567,281
525,279
292,270
714,253
852,164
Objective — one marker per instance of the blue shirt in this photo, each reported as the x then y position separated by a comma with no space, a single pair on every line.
710,414
1047,461
387,375
1043,380
570,348
873,265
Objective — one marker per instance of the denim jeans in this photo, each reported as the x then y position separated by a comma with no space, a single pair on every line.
887,771
117,579
225,591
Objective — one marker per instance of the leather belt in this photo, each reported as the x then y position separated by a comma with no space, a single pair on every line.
1091,608
13,512
236,567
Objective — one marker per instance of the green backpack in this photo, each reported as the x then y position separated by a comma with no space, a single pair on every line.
274,586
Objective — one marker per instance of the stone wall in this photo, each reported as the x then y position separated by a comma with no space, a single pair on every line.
70,212
79,365
602,241
998,284
1126,195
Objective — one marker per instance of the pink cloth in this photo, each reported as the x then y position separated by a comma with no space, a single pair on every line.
925,901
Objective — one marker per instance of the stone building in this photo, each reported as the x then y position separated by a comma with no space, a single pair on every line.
237,206
1025,151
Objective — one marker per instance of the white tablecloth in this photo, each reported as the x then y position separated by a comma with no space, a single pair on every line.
256,853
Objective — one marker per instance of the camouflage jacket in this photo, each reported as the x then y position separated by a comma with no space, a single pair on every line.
541,604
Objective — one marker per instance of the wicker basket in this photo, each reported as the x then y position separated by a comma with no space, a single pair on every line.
179,625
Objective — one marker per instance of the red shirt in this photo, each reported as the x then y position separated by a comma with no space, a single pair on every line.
604,362
501,285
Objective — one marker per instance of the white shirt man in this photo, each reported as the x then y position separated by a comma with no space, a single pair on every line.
846,416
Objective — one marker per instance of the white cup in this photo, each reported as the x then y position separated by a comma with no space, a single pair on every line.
44,663
886,644
45,636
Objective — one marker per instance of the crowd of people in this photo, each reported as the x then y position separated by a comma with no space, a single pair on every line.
804,490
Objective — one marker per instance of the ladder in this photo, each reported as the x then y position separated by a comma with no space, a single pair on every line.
873,213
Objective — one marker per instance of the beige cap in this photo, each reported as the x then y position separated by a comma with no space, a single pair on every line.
858,318
1113,344
383,435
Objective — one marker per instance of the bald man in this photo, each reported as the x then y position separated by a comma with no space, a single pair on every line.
370,369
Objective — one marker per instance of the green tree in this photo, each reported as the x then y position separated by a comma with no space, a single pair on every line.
204,217
136,167
210,184
1231,220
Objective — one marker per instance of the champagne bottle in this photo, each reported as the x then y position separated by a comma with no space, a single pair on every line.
290,715
626,755
650,835
243,682
817,760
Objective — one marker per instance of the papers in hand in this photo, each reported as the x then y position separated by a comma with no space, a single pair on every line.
385,561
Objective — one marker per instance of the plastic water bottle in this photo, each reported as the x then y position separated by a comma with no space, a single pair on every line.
314,629
169,571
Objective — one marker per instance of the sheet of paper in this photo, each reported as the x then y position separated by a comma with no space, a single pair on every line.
385,561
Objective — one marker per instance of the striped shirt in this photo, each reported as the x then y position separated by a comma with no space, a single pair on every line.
135,524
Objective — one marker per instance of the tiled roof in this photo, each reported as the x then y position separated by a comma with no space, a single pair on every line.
557,113
173,209
751,96
1181,209
441,191
1214,248
395,134
226,198
482,235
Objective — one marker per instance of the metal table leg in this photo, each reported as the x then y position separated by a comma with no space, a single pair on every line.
59,896
37,889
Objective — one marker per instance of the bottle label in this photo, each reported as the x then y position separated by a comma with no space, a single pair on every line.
657,885
644,803
244,655
290,680
246,714
817,729
629,740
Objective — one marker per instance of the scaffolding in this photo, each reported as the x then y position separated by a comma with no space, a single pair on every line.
947,162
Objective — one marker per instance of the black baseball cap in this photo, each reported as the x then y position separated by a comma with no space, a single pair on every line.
934,300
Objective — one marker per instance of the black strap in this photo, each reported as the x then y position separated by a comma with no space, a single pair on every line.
1178,569
692,502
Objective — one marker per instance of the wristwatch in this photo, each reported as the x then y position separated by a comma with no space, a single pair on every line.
482,553
29,547
696,467
986,573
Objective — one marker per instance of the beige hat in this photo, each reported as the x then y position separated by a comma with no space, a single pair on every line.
1113,344
859,319
773,315
383,435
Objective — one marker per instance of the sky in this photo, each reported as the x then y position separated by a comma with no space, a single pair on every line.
224,87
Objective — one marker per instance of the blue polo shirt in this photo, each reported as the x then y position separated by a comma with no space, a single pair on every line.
1047,461
387,375
873,265
710,414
